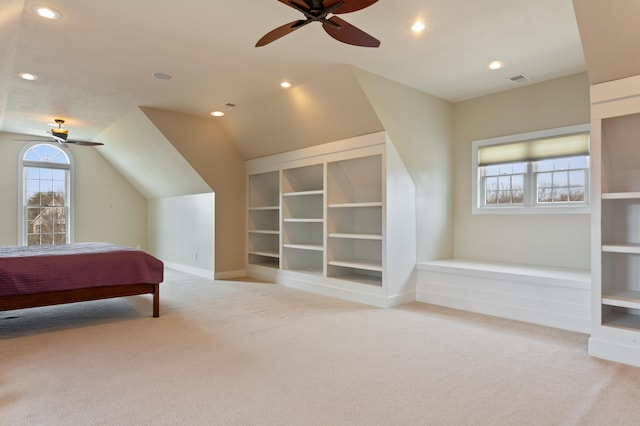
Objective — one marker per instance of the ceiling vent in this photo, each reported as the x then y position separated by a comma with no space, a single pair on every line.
519,78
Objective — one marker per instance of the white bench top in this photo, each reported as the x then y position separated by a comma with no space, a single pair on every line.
581,276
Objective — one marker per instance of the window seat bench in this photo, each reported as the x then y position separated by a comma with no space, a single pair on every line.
554,297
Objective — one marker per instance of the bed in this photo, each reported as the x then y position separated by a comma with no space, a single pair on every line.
32,276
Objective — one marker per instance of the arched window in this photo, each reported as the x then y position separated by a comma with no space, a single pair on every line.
45,216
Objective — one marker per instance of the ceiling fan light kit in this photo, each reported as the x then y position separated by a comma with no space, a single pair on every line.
318,11
59,132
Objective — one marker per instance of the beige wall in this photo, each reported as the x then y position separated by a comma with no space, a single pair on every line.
554,240
107,207
181,232
216,160
420,126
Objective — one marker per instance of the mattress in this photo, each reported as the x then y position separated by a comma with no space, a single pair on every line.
37,269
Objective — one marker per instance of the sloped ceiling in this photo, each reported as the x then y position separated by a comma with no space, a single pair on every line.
9,25
610,34
325,109
139,151
165,154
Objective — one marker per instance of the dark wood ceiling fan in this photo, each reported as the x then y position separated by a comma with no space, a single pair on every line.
318,11
60,135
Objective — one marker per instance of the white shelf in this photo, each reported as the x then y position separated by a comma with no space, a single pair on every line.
361,279
628,248
265,253
363,264
313,247
269,263
303,220
624,299
622,320
357,236
303,193
620,195
355,205
264,231
308,270
265,208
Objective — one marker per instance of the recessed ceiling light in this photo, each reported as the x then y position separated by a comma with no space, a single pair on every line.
217,114
285,84
46,12
495,65
162,76
418,26
28,76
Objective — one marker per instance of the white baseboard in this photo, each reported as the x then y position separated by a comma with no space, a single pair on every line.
554,297
614,351
204,273
332,287
228,275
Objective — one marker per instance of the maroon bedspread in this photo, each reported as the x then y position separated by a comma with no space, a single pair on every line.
37,269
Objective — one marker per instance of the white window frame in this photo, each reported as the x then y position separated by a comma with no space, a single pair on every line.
22,165
530,206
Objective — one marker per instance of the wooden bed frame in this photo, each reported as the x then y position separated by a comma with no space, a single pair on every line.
22,301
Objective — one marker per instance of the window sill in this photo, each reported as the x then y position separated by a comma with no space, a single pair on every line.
532,210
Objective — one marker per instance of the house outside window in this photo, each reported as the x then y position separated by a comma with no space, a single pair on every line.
45,205
538,172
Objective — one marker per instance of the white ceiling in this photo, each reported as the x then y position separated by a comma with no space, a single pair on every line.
96,63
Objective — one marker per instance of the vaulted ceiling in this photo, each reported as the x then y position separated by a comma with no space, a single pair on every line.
96,63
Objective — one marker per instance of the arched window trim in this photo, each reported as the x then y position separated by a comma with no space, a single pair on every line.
22,165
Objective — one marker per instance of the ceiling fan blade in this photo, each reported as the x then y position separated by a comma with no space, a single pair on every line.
347,33
349,5
300,3
281,31
85,143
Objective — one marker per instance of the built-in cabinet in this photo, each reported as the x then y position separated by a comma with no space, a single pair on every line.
615,148
327,224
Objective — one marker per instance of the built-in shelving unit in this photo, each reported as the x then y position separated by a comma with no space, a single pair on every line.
355,229
615,146
334,220
303,218
264,219
620,237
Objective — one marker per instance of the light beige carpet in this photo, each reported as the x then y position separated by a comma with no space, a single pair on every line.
246,353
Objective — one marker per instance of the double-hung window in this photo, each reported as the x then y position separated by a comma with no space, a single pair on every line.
537,172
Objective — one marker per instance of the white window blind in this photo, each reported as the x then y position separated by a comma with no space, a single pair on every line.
535,149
